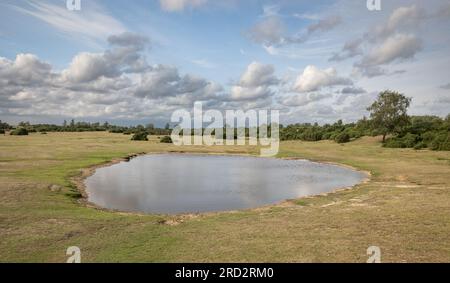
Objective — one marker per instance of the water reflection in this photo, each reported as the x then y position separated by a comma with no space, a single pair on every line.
177,183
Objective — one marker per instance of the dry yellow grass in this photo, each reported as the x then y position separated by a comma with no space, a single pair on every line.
404,209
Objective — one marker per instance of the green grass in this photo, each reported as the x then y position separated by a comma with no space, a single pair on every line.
404,209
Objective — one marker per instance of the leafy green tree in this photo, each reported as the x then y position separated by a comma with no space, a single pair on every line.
389,113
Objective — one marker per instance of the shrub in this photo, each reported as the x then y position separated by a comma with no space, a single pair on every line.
342,138
2,131
20,132
166,139
410,140
394,143
441,142
311,135
140,136
420,145
326,136
407,141
428,137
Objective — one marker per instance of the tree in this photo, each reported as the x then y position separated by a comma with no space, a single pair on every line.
167,127
140,136
389,113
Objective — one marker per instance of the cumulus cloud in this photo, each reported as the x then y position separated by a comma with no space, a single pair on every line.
25,70
165,82
115,84
258,74
123,57
255,82
391,42
180,5
314,79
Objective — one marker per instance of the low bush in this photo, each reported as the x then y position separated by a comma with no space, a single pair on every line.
407,141
140,136
342,138
2,132
441,142
420,145
19,132
166,139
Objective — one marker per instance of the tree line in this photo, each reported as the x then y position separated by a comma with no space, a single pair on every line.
388,118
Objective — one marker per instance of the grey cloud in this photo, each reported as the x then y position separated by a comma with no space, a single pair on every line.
353,90
397,47
351,49
271,31
25,70
325,24
391,42
302,99
124,57
99,85
129,39
447,86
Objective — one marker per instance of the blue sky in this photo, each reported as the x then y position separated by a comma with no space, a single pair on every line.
138,61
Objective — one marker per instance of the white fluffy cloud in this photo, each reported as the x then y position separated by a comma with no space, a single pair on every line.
115,84
124,57
255,82
258,74
26,69
314,79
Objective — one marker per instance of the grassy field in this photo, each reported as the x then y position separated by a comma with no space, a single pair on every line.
404,209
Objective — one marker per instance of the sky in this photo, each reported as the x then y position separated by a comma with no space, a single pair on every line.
135,62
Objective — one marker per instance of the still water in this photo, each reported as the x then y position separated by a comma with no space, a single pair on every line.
182,183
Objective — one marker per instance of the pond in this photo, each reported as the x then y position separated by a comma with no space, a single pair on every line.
185,183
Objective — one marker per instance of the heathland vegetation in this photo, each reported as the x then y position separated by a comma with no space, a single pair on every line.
388,118
403,209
